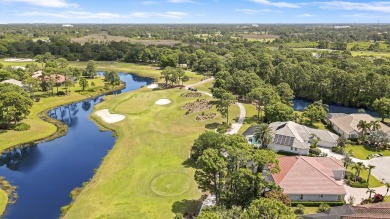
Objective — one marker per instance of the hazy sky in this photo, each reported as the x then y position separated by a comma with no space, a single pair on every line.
193,11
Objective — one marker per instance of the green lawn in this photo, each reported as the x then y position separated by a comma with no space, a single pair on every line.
387,199
145,174
374,182
308,210
369,53
362,152
3,201
251,117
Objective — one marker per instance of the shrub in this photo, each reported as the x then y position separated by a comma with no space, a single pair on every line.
338,150
323,207
223,128
377,198
61,93
316,204
21,127
315,151
300,209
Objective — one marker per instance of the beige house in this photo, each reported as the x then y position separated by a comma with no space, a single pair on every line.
293,137
310,178
13,81
346,125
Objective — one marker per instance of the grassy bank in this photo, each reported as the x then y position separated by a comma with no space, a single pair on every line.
362,152
3,201
145,175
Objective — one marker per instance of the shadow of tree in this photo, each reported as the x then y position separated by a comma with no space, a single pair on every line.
189,163
188,208
213,125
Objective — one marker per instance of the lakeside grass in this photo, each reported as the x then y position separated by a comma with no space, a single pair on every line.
3,201
138,177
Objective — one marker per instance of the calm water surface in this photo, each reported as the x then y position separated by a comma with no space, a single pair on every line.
46,173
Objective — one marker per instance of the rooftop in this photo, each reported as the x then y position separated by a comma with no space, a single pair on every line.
348,123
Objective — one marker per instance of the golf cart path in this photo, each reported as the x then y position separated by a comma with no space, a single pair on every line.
236,126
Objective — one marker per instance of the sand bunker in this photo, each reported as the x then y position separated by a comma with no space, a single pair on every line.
108,117
163,102
18,60
152,86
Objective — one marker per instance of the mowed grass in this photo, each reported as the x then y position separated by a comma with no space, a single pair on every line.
145,175
374,182
362,152
369,53
3,201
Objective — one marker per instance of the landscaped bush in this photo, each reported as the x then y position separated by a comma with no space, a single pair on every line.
21,127
315,152
316,204
338,150
61,93
300,209
323,207
378,198
287,153
356,184
223,128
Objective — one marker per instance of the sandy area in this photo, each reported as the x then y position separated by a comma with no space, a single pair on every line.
163,102
108,117
18,60
152,86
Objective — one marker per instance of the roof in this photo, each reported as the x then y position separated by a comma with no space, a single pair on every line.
335,115
57,77
37,74
14,82
332,213
348,123
298,136
309,175
370,211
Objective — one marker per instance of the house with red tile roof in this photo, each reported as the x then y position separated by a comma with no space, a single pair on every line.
310,178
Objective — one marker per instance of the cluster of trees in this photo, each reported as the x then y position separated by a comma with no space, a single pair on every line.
371,135
174,75
231,169
15,104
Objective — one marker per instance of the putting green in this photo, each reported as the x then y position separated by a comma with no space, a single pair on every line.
170,184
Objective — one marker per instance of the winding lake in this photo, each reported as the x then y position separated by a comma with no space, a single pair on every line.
46,173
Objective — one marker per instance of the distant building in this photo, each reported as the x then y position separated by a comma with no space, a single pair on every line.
17,67
293,137
67,25
310,178
346,125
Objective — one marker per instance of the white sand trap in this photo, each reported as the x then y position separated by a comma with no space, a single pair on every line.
163,102
108,117
152,86
18,60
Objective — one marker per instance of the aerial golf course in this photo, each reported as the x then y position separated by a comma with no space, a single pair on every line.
146,174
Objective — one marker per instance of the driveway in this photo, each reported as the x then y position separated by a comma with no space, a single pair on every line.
382,168
340,157
361,193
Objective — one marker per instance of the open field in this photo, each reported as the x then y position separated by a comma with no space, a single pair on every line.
146,175
364,45
362,152
3,201
103,38
369,53
259,37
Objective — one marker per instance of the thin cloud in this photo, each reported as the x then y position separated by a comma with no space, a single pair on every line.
181,1
150,3
305,15
359,6
44,3
277,4
248,11
168,14
71,15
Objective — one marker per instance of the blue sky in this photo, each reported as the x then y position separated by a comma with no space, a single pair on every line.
194,11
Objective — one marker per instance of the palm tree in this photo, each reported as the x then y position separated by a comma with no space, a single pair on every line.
369,168
375,125
370,191
263,135
358,167
363,126
387,184
347,158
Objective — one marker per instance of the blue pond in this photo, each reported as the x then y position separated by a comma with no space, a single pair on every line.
46,173
301,104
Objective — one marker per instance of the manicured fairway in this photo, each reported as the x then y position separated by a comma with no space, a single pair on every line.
145,175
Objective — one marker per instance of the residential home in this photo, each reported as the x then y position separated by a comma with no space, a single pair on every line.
371,211
310,178
293,137
347,125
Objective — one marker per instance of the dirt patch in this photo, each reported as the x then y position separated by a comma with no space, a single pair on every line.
205,116
259,36
197,106
192,94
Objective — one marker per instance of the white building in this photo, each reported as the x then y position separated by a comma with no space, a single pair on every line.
293,137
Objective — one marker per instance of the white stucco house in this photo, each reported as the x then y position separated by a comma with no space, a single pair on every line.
14,82
310,178
346,125
293,137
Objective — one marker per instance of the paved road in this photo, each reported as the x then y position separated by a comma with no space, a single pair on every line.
236,126
381,170
361,193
